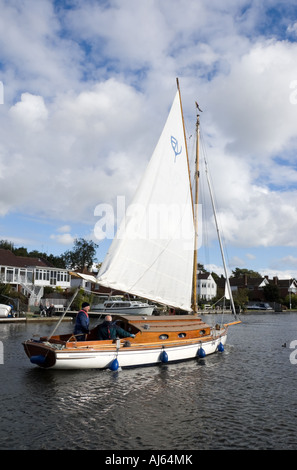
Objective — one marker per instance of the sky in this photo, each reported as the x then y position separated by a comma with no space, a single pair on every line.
85,89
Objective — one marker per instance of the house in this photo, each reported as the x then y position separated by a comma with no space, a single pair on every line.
255,286
30,275
285,286
206,286
88,285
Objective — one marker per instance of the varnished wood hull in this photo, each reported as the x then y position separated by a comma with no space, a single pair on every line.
180,340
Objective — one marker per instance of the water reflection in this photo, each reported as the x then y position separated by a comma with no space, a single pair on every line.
243,398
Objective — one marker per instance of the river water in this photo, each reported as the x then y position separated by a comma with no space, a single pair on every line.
243,398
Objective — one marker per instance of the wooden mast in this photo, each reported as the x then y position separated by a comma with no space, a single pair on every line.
194,205
195,263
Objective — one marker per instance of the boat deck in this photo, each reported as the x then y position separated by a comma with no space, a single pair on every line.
165,322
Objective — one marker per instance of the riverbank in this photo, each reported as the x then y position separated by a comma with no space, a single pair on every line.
29,317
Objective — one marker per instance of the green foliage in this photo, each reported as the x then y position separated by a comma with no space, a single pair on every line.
5,290
9,295
56,261
237,272
81,297
271,293
240,298
6,245
291,300
81,256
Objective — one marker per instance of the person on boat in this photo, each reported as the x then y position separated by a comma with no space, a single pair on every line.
82,322
109,330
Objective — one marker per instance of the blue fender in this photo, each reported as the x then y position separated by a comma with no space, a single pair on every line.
201,352
38,360
114,365
164,356
220,347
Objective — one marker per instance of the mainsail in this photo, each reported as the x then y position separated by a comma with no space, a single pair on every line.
151,255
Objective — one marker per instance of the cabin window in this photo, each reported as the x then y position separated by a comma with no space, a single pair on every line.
202,332
163,336
182,335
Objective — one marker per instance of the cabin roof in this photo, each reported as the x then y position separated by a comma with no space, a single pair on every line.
164,322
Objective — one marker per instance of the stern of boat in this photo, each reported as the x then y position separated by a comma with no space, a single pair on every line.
40,354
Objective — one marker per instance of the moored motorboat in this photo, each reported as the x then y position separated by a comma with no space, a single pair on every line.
129,307
5,311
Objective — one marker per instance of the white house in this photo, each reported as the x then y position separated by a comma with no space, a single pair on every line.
206,286
31,275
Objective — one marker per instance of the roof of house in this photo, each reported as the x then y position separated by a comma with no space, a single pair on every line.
254,282
242,281
8,258
204,276
285,283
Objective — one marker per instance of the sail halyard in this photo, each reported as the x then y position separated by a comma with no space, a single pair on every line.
220,241
151,255
186,147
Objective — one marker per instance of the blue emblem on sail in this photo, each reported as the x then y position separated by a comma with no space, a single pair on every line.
174,144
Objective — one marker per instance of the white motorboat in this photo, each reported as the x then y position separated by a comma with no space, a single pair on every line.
124,307
5,310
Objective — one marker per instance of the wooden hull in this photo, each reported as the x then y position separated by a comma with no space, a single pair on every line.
155,342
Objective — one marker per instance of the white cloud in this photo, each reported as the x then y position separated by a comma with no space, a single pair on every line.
74,153
30,112
280,273
292,28
87,90
64,238
250,256
251,104
64,228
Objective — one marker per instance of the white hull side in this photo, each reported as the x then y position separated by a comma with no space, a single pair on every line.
128,357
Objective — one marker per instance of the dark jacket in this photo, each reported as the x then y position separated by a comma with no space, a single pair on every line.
81,325
109,330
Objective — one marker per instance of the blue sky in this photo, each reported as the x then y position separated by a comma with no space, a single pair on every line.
86,90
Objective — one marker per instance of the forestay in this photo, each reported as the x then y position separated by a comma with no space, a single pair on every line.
151,255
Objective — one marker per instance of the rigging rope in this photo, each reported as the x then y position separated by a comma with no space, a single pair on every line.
218,226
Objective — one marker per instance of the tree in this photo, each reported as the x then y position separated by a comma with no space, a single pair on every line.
201,268
237,272
82,256
241,298
21,251
6,245
291,301
271,293
81,297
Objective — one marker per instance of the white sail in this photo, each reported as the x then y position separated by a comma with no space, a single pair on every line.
151,255
226,295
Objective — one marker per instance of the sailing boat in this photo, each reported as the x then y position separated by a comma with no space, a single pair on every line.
153,256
